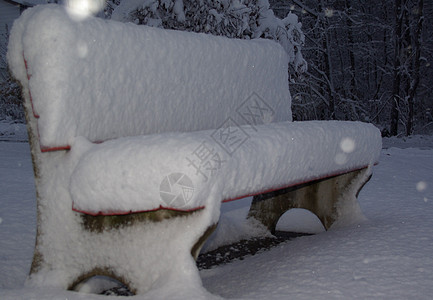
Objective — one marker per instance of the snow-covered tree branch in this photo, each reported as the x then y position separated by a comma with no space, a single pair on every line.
246,19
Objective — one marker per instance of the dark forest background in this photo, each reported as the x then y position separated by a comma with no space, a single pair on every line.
368,61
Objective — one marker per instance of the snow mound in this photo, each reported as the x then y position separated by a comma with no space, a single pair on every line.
413,141
11,131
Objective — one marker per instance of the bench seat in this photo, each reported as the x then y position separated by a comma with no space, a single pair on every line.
125,175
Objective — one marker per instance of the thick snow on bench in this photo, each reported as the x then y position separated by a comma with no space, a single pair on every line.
95,80
183,171
185,121
105,79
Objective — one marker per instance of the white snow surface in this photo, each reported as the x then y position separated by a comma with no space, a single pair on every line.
126,174
175,81
12,131
386,257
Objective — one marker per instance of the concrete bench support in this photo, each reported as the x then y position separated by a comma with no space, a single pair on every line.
323,197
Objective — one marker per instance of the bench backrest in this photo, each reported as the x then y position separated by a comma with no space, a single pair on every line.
104,79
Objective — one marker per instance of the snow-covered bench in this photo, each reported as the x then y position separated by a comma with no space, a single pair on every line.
138,134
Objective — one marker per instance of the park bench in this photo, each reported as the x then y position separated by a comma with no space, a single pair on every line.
138,135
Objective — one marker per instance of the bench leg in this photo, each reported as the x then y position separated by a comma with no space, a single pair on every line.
143,251
112,268
330,199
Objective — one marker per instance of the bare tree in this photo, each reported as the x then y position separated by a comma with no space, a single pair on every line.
368,60
416,36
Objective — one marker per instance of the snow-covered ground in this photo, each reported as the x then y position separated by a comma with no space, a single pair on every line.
389,256
11,131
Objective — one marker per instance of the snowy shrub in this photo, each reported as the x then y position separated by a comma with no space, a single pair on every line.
244,19
10,101
10,92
